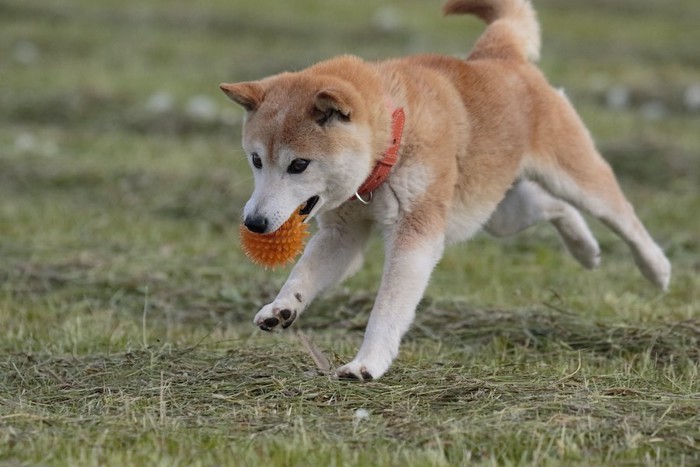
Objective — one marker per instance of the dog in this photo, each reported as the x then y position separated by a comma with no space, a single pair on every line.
432,149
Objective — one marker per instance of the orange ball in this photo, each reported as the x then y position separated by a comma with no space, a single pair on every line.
277,248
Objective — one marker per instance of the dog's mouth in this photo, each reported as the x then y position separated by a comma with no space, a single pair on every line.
309,207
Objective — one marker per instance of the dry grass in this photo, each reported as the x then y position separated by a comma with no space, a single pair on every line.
543,386
125,303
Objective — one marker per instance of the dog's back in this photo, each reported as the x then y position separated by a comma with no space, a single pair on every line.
472,121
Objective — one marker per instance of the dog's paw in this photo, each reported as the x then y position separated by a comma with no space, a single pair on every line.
584,249
363,370
275,314
578,238
654,265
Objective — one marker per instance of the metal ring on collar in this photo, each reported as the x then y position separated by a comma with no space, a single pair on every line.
363,201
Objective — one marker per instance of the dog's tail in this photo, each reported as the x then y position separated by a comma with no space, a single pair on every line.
513,30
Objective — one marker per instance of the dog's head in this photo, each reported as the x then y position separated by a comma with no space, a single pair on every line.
307,139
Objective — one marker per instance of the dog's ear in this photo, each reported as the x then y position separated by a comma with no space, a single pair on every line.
249,94
330,104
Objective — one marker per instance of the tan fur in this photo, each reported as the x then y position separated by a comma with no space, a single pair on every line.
474,128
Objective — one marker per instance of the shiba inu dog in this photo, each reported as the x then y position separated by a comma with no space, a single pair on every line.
431,149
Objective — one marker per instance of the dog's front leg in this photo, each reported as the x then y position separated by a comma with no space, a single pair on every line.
408,265
332,254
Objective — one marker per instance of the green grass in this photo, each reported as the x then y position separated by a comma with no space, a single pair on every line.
126,304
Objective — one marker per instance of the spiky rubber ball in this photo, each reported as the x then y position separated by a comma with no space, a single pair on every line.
277,248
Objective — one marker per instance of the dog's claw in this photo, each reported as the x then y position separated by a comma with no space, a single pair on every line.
348,374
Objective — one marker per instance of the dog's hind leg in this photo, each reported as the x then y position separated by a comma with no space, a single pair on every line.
527,204
568,166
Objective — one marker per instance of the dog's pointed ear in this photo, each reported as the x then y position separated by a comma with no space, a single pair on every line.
249,94
330,104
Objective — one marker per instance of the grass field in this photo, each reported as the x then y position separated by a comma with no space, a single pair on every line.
126,304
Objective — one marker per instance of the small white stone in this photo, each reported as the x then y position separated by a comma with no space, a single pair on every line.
160,102
26,52
26,142
691,97
387,19
202,108
653,110
617,97
361,414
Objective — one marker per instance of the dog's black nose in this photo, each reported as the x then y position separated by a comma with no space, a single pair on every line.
257,224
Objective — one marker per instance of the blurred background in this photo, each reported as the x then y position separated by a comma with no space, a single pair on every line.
121,172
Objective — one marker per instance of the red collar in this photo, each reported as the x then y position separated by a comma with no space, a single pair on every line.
391,156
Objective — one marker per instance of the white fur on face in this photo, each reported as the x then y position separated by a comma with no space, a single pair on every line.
278,194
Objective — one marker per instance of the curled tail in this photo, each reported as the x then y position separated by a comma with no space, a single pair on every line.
513,30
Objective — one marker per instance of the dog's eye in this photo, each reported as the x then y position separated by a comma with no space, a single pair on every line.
257,162
298,166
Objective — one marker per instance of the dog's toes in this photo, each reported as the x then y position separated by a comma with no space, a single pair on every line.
350,372
270,318
348,375
271,322
288,317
